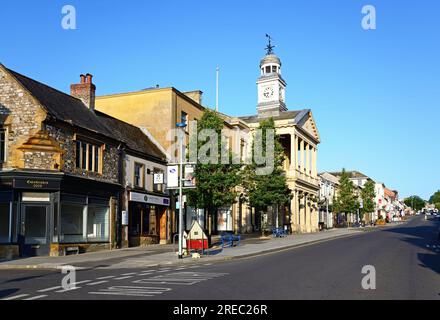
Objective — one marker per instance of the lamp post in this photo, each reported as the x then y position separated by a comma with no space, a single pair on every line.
181,126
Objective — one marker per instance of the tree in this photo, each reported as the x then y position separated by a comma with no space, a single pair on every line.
367,195
435,199
215,181
415,202
346,201
271,189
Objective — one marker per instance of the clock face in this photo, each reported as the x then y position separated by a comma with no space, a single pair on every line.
268,92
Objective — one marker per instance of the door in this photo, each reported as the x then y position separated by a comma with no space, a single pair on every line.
35,221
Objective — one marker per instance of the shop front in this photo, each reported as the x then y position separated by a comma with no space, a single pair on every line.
55,214
148,219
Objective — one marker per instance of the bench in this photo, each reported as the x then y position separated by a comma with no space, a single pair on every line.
228,239
279,232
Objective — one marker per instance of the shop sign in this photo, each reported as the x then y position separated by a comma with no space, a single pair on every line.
35,183
124,218
147,198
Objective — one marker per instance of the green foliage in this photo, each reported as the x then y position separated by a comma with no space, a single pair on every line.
367,194
215,181
270,189
415,202
435,199
346,201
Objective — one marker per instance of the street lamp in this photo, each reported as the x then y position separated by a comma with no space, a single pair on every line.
181,126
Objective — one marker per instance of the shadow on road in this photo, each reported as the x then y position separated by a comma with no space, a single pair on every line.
426,237
7,292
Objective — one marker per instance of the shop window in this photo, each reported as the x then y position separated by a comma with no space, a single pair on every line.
4,222
146,221
153,223
72,222
88,156
139,175
2,145
97,223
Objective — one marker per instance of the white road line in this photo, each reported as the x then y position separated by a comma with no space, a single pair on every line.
107,277
49,289
123,278
128,274
122,294
74,288
207,264
95,283
36,297
16,297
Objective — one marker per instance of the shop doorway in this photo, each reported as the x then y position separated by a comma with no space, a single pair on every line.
35,233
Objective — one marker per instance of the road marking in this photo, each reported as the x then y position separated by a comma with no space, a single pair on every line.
131,291
75,287
49,289
123,278
98,282
181,278
16,297
107,277
128,274
36,297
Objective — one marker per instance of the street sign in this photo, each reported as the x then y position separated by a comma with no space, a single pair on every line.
124,218
189,180
173,176
158,178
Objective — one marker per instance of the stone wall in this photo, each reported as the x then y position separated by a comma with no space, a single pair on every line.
23,118
64,136
20,115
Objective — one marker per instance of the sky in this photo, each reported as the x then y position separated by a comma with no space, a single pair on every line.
374,94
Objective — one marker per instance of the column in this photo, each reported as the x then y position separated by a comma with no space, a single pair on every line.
314,171
307,158
292,153
301,150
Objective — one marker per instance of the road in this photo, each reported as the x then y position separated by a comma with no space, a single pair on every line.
406,259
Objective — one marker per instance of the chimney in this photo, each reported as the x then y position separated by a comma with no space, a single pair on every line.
85,90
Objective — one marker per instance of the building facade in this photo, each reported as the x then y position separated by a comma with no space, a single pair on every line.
62,178
299,137
328,191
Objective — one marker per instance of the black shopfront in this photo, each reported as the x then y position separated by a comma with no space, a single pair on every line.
55,213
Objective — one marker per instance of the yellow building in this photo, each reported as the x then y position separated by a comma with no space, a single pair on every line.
159,109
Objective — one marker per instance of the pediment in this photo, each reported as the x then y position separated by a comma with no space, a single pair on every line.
308,124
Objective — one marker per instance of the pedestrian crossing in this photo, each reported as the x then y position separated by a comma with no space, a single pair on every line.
144,283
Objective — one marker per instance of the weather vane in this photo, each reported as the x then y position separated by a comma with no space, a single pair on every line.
269,47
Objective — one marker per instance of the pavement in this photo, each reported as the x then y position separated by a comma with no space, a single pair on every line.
405,257
159,255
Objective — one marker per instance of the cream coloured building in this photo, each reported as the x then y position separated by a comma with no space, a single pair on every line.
299,137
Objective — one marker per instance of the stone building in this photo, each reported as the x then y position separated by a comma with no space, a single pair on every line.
300,138
61,177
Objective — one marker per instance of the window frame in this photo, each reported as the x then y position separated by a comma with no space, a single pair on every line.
96,158
141,177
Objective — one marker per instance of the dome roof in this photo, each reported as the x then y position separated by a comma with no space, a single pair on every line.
270,59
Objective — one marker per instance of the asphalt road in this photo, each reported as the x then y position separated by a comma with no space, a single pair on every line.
406,259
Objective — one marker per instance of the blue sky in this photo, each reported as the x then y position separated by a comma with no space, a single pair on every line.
374,94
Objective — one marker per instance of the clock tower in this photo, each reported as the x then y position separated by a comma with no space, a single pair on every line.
271,86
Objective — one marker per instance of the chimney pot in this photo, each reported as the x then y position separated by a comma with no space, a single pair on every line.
85,90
